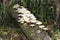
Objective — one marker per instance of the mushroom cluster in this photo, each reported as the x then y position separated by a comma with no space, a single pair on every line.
29,21
25,16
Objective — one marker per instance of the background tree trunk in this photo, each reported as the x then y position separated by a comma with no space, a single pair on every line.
58,14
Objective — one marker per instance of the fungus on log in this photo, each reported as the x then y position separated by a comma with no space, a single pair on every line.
28,22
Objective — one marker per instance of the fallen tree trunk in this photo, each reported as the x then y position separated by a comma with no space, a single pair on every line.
31,27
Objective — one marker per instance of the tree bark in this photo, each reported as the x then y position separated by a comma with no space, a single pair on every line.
58,14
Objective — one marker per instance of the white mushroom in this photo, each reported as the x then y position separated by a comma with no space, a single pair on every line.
38,22
42,26
16,6
32,25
